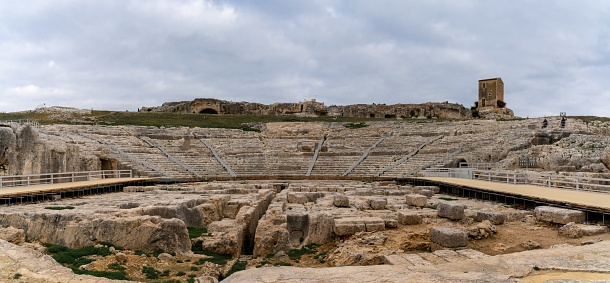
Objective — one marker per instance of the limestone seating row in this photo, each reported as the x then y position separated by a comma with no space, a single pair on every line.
196,156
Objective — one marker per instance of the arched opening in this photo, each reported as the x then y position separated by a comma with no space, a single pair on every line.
372,115
389,116
208,111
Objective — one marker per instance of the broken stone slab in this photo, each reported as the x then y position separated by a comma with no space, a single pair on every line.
451,210
448,237
374,224
391,221
427,193
558,215
378,203
494,217
348,226
434,189
296,198
341,201
12,235
573,230
416,200
413,217
364,192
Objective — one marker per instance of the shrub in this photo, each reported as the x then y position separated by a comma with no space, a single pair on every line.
196,232
59,207
180,273
150,272
501,104
116,266
355,125
17,276
238,266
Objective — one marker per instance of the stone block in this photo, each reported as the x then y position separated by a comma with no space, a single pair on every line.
348,226
298,198
13,235
409,217
364,192
378,203
448,237
416,200
341,201
434,189
558,215
390,221
451,210
573,230
373,224
427,193
494,217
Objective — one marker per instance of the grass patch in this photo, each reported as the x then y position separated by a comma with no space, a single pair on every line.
180,273
116,266
355,125
196,232
447,199
281,263
74,258
296,254
59,207
150,272
238,266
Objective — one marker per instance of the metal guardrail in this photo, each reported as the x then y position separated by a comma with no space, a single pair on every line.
67,177
524,178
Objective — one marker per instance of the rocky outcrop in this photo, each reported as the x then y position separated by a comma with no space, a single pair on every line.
33,266
145,233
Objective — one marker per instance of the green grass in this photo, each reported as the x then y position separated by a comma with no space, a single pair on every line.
59,207
447,199
196,232
296,254
238,266
17,276
216,258
150,272
74,258
116,266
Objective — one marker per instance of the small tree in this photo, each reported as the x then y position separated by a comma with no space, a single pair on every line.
501,104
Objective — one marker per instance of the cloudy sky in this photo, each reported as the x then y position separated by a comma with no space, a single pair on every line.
553,56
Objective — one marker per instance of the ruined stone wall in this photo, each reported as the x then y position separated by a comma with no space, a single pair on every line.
215,106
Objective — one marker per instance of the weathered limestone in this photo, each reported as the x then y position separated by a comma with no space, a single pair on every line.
416,200
353,225
272,233
573,230
340,201
378,203
481,230
451,210
427,193
434,189
494,217
413,217
349,226
147,233
558,215
12,235
448,237
227,237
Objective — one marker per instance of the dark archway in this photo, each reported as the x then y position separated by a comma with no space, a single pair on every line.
372,115
208,111
389,116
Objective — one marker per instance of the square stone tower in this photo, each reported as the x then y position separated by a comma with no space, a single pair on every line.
490,91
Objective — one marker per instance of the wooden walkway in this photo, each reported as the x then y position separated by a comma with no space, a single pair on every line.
581,199
7,192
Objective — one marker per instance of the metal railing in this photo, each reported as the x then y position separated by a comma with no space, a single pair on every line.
66,177
524,178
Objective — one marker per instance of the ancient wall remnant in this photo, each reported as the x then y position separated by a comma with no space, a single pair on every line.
490,92
315,108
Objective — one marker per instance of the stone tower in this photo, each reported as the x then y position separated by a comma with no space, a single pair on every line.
490,92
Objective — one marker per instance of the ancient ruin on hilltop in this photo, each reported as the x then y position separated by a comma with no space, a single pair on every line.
315,108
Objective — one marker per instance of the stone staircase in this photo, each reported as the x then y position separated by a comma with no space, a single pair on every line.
433,258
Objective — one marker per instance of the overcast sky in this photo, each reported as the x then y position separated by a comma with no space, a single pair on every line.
553,56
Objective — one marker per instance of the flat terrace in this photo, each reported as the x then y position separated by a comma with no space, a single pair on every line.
595,203
29,188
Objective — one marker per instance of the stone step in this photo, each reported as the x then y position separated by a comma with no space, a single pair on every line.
433,258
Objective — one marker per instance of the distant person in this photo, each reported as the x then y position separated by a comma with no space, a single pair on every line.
545,123
563,122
